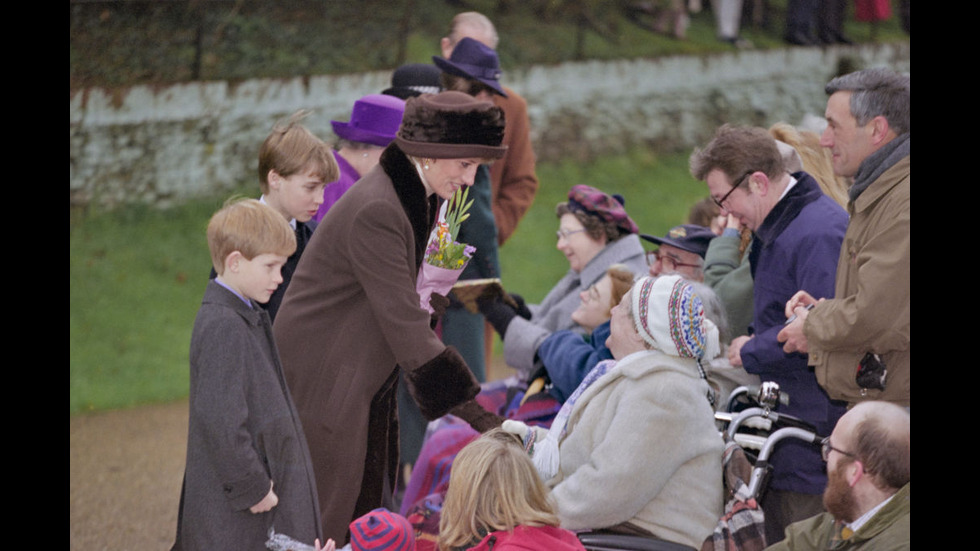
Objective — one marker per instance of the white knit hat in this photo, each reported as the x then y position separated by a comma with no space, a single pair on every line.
669,315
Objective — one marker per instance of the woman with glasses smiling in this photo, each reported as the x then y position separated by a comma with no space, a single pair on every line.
594,232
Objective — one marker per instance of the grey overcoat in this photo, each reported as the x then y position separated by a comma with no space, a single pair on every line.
243,432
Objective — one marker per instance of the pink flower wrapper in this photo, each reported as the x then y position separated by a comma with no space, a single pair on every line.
433,279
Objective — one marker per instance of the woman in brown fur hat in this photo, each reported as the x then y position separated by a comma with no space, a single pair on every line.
351,317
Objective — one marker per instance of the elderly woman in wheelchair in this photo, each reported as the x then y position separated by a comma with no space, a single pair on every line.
635,449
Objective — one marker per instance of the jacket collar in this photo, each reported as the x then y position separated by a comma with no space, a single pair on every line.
878,163
890,178
618,251
215,293
788,208
900,504
420,209
345,168
639,364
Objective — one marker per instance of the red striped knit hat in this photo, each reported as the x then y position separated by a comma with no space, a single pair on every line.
382,529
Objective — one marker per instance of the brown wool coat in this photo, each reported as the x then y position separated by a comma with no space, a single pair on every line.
350,317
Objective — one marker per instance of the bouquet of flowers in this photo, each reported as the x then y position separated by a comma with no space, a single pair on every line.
445,258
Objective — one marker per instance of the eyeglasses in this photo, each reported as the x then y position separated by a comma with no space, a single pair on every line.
563,233
721,202
669,262
826,448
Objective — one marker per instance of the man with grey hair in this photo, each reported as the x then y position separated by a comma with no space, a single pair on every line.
469,24
869,484
513,178
502,192
859,341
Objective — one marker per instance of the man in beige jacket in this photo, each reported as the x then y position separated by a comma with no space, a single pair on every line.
859,342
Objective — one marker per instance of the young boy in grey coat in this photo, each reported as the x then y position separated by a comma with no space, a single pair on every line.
248,473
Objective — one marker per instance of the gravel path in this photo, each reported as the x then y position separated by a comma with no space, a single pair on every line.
125,470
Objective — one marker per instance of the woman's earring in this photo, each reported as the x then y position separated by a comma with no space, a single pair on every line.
425,164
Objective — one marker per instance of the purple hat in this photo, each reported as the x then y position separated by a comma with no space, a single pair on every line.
375,120
687,237
413,79
382,529
473,60
591,201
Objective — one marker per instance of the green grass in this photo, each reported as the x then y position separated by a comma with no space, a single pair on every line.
137,274
135,281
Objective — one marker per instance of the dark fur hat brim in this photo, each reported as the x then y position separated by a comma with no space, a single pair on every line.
450,151
451,125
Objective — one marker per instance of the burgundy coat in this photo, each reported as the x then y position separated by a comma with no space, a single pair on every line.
350,317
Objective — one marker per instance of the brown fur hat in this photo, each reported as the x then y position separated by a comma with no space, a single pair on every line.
451,125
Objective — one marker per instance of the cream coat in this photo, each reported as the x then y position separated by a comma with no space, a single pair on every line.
642,447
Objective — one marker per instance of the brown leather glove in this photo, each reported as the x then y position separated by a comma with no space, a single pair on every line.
480,419
438,303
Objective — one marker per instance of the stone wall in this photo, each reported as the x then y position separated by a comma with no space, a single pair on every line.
161,145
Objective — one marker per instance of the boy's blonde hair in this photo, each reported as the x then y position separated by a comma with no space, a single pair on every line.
493,486
251,228
291,149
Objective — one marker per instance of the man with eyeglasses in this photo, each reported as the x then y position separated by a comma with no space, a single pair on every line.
797,238
868,496
681,251
859,340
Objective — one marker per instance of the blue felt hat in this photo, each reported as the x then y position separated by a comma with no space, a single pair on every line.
687,237
473,60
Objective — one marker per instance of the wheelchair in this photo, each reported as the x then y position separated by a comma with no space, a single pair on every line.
752,431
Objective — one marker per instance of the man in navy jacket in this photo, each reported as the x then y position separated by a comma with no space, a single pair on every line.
798,234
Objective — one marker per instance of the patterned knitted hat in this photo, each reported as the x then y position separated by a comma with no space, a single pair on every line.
382,529
591,201
669,315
